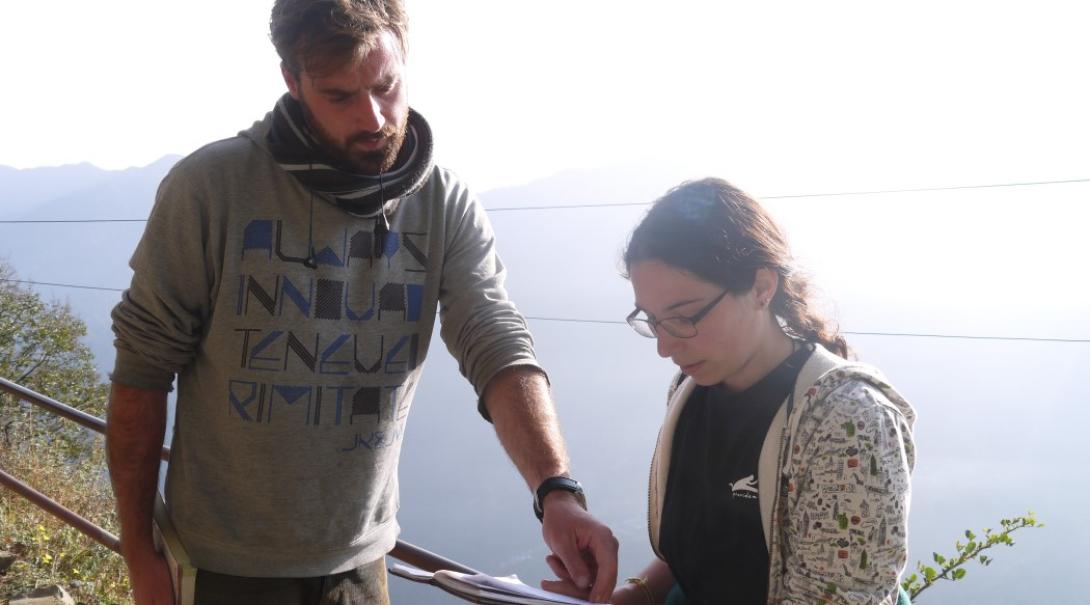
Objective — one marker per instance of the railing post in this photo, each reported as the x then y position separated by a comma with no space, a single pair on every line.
81,418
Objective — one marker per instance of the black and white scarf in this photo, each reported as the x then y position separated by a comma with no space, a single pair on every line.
298,152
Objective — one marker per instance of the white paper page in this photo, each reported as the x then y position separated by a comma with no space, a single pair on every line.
509,585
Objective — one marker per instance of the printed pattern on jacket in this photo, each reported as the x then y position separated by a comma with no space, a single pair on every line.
843,521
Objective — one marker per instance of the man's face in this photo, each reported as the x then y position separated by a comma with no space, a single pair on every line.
358,111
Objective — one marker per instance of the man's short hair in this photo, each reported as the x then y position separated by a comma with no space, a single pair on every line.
319,35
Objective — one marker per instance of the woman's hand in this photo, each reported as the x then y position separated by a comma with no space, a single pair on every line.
630,593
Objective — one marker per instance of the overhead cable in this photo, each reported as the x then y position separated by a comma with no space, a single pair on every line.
45,283
617,322
806,195
854,333
626,204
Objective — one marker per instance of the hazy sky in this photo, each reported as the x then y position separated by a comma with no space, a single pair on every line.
781,97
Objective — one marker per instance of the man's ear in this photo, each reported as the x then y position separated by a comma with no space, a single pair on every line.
291,80
765,284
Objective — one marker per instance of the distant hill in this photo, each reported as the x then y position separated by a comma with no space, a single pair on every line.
22,190
566,261
94,254
99,194
97,254
626,184
985,262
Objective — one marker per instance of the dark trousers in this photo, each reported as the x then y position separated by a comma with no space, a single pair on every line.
365,585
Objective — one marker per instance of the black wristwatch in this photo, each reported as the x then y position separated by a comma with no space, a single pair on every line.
554,483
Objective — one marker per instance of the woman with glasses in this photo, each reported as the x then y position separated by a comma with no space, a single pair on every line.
781,473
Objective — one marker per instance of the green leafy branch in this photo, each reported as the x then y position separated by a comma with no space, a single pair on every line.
953,568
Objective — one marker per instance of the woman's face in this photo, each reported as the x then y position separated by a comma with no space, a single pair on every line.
728,338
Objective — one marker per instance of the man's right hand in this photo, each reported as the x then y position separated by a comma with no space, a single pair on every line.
149,576
135,423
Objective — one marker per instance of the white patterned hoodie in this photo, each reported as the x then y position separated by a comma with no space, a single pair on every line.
833,484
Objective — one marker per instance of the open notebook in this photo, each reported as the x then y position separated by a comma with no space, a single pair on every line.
483,588
182,573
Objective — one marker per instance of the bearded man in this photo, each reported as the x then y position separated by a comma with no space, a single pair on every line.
289,278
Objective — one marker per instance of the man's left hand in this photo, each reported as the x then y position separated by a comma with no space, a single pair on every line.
585,551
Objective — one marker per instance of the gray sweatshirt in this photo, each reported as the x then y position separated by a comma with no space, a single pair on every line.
294,383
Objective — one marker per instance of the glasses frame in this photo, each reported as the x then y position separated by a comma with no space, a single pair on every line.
649,327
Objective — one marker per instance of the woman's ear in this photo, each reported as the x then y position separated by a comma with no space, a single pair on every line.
764,286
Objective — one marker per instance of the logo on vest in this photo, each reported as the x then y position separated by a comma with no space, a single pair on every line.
745,488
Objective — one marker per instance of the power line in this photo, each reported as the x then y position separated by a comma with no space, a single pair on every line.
805,195
573,320
617,322
925,189
570,206
89,220
626,204
45,283
971,337
852,333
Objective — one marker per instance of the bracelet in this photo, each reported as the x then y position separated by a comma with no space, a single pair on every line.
642,583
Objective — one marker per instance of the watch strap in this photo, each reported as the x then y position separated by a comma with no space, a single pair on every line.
552,484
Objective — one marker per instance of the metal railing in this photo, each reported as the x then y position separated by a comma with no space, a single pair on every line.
42,501
403,551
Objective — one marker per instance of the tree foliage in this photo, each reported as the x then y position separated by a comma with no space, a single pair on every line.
952,568
41,348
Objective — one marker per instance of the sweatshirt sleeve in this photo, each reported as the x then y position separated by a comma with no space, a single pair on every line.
158,323
846,533
481,327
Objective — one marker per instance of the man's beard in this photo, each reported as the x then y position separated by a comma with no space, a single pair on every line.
360,162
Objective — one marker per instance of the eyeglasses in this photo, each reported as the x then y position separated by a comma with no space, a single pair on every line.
676,326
